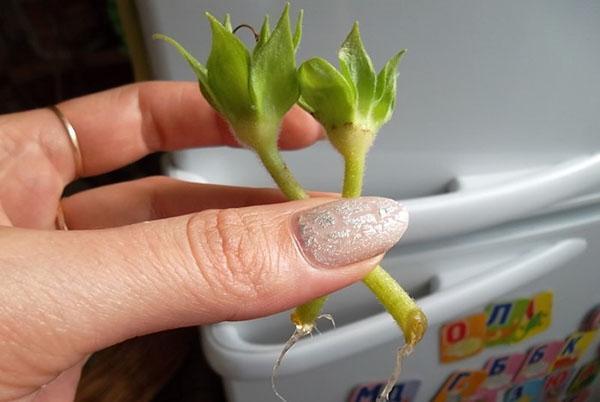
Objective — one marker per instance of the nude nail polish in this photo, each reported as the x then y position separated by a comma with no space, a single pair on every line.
346,231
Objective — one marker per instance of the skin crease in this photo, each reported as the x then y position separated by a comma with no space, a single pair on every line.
141,256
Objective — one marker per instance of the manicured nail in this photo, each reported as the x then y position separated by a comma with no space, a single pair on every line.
349,230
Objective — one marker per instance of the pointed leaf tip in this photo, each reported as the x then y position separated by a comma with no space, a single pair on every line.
385,93
285,16
356,66
228,69
298,30
227,22
214,21
273,78
198,68
265,32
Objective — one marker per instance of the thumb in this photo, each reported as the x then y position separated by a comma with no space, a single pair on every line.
91,289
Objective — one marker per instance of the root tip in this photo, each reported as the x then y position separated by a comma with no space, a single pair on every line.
300,332
416,327
402,353
328,317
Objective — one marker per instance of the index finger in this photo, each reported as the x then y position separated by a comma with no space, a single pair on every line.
119,126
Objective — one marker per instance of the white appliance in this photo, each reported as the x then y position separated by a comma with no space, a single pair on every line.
494,147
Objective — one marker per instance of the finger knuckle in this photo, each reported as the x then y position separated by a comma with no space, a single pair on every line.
156,180
156,206
232,252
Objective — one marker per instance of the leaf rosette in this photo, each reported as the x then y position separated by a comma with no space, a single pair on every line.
353,102
254,89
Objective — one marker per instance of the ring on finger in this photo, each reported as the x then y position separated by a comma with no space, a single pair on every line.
73,141
60,221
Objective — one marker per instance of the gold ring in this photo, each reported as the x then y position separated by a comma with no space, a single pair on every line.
60,222
72,139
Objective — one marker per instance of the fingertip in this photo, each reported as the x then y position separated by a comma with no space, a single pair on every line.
299,130
338,233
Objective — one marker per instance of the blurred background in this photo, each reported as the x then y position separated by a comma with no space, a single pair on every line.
60,49
51,50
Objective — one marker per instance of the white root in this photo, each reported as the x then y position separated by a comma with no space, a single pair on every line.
328,317
403,352
300,332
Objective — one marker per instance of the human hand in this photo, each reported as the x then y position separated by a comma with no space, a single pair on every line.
155,253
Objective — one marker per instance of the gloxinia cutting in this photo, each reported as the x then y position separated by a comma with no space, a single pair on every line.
252,90
354,102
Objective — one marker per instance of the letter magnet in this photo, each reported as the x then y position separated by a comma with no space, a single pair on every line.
462,338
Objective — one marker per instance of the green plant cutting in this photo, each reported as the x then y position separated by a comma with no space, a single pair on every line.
253,90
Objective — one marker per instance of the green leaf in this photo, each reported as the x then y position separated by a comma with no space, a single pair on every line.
385,91
304,105
265,32
196,66
273,80
228,70
227,23
298,30
327,93
356,66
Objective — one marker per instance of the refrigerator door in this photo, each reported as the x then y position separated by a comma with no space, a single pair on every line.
475,275
464,207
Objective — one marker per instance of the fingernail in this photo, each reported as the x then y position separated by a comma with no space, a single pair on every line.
349,230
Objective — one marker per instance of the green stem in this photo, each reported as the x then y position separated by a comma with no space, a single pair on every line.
279,171
307,313
389,293
353,175
398,303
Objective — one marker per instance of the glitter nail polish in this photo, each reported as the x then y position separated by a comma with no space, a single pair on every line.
346,231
